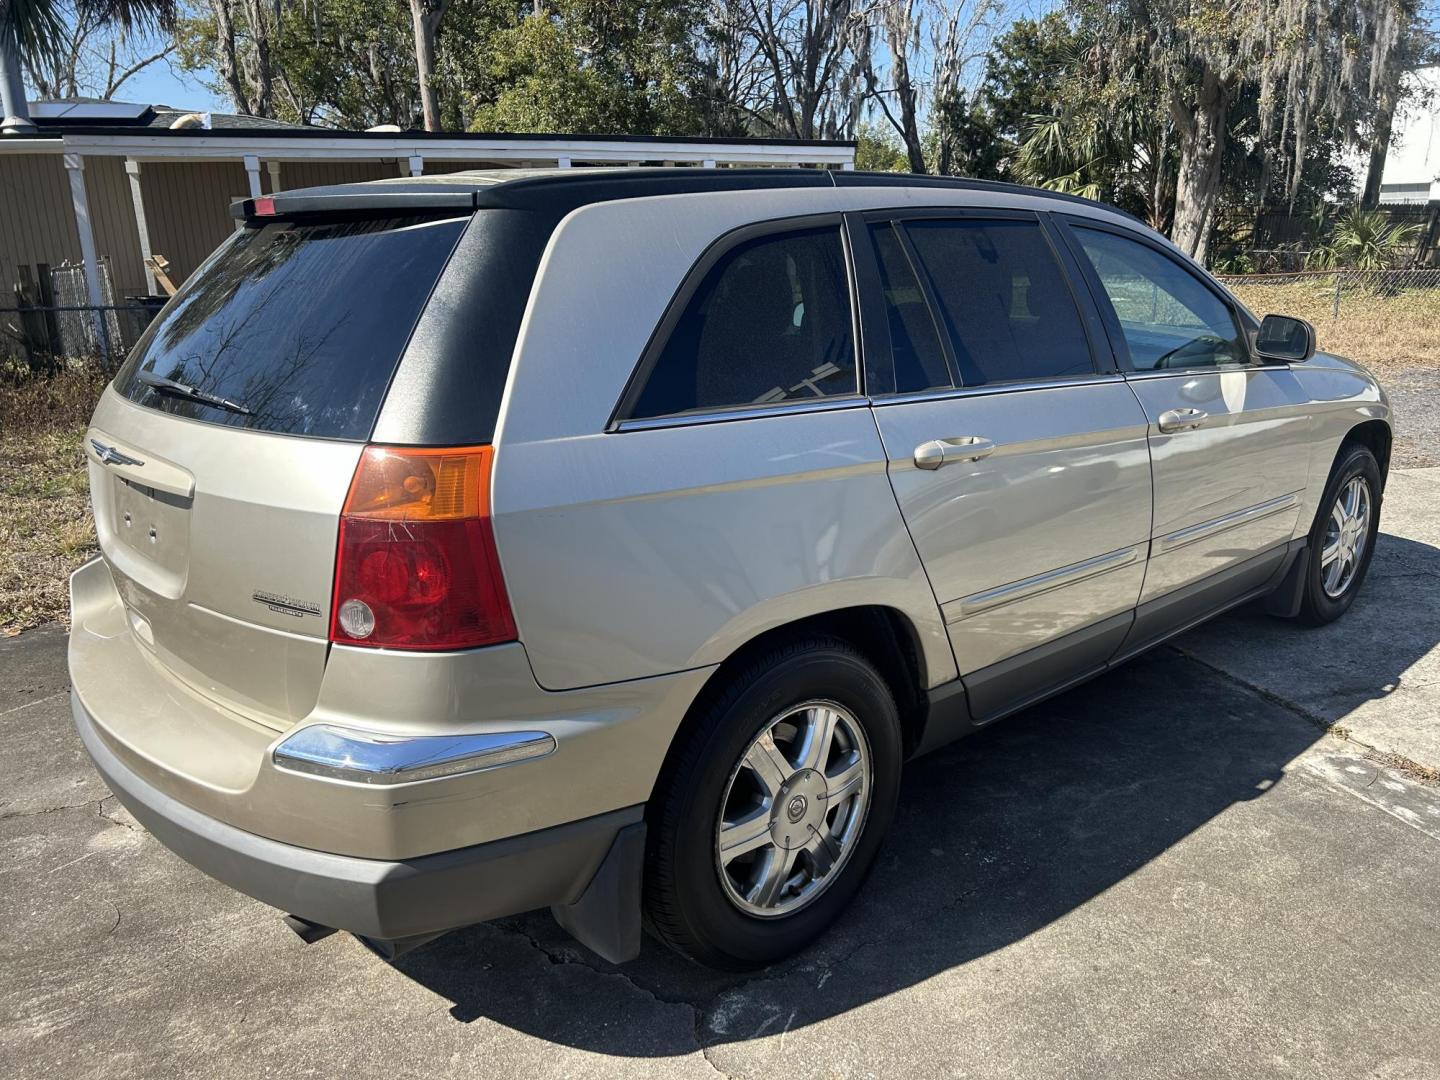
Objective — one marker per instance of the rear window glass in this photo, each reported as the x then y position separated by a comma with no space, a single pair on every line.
293,328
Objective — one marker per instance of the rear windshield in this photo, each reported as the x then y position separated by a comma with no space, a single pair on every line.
293,328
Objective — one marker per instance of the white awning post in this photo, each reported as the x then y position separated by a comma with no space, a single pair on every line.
708,163
417,165
132,168
273,168
252,174
562,163
80,202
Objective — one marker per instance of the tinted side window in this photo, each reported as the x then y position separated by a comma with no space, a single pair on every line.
914,341
770,322
1003,298
1169,317
298,326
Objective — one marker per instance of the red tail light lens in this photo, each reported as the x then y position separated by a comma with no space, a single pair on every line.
416,566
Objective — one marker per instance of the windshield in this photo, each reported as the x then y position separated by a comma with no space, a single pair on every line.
292,328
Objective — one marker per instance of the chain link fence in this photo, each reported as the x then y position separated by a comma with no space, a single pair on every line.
1379,317
1363,288
59,327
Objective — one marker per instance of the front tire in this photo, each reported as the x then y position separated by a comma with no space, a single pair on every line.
773,806
1342,539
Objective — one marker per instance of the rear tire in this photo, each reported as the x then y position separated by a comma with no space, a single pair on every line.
772,808
1342,538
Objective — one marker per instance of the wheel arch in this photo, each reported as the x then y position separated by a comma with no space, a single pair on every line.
885,635
1375,435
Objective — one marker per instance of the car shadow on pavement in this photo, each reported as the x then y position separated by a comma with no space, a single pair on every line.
995,838
1333,672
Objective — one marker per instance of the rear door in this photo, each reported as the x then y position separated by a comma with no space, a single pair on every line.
221,456
1016,453
1228,435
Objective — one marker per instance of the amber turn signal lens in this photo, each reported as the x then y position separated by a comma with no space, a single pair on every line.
435,583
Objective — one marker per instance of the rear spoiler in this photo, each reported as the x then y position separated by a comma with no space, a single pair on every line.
433,198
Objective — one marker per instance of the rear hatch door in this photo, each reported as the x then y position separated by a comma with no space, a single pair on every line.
220,457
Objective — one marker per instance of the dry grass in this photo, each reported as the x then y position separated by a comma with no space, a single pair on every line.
1385,333
46,529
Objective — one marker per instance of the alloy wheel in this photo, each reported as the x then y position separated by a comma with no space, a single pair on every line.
793,809
1347,532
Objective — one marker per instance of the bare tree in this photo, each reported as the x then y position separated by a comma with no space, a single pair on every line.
817,55
929,48
95,59
737,80
899,23
243,57
426,16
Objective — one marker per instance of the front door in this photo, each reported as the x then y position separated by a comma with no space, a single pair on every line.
1020,465
1228,436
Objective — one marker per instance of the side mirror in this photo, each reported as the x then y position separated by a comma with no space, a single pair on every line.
1285,339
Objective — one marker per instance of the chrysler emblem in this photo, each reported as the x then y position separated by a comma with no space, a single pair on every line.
110,456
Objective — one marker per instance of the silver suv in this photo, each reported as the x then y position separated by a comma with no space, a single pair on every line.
608,540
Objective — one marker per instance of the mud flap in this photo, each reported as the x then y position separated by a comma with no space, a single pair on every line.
606,918
1284,601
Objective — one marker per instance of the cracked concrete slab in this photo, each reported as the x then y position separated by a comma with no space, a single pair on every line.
1376,672
1161,874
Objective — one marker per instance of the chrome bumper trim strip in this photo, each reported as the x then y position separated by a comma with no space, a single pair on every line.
368,757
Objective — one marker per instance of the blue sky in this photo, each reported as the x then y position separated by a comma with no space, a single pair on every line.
158,85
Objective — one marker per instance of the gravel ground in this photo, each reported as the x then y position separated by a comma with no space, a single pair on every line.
1415,397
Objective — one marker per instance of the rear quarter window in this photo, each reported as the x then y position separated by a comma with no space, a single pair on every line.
770,322
294,328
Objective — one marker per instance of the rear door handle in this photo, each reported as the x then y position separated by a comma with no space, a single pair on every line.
1182,419
937,452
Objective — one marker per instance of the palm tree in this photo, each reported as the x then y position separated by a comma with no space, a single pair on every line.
1365,240
35,28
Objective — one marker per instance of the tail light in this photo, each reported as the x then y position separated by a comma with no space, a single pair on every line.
416,566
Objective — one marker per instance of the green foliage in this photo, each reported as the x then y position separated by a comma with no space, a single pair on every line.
1095,132
578,66
1237,263
878,149
1026,76
591,66
340,63
1365,240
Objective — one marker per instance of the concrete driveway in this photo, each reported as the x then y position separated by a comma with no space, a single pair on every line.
1173,871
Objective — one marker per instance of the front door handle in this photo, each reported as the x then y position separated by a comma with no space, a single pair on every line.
937,452
1182,419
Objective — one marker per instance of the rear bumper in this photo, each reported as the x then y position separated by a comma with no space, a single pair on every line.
374,898
604,744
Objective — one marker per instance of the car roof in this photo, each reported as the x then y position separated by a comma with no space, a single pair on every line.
556,192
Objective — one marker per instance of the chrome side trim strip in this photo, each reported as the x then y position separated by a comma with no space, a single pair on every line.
1215,526
754,412
944,393
966,606
369,757
1201,369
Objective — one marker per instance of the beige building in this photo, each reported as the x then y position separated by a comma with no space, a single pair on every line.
118,183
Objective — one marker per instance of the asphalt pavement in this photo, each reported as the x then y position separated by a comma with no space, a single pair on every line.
1173,871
